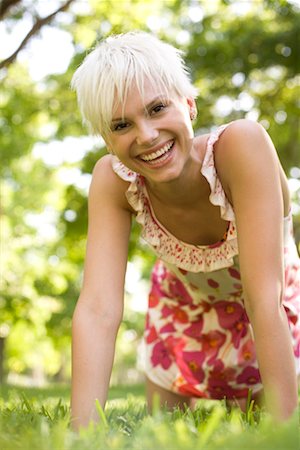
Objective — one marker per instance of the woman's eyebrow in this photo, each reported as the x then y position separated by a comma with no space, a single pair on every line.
145,108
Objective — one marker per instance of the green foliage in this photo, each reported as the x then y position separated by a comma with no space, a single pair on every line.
31,422
263,49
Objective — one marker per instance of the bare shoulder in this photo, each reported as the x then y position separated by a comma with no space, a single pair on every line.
245,136
103,174
105,182
245,153
244,147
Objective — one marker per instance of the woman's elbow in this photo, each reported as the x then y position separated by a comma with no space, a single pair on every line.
267,299
100,314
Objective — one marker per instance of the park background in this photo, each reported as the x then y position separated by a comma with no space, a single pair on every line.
244,58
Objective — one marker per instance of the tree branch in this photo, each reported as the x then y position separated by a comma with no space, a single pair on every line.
40,22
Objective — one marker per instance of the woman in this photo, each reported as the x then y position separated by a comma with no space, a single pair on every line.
224,310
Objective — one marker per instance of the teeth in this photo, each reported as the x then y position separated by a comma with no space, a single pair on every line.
157,154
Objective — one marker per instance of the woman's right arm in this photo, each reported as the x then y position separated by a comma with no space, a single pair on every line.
99,310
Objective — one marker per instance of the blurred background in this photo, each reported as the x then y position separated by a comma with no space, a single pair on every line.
244,57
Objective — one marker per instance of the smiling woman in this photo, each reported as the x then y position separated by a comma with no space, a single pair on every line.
223,315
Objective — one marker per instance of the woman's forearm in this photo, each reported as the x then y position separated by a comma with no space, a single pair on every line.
93,347
276,361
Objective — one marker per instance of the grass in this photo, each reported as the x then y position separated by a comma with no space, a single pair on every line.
39,419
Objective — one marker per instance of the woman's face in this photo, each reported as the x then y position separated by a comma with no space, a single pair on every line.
155,136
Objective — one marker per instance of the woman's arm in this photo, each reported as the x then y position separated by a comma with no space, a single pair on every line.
99,309
250,172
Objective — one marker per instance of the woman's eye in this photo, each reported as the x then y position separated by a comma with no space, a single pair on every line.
158,108
120,126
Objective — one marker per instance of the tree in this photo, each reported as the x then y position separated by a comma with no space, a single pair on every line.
7,5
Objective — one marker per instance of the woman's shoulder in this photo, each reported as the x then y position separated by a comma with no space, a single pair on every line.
104,171
244,124
242,131
244,150
230,136
106,182
244,140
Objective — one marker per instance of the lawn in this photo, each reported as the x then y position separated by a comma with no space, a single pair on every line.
39,419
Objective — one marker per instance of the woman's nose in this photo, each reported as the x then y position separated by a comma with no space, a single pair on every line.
146,133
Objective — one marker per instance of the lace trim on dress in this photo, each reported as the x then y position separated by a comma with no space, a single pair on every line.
208,170
193,258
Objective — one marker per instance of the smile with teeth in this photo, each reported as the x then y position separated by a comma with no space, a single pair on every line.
159,154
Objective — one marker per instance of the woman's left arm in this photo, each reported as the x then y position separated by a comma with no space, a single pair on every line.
249,169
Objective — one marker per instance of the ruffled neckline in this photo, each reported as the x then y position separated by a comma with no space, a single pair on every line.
189,257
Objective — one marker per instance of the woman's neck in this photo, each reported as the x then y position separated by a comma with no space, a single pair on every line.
188,188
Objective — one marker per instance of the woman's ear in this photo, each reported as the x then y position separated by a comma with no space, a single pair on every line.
192,107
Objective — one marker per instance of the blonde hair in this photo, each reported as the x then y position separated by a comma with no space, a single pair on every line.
108,72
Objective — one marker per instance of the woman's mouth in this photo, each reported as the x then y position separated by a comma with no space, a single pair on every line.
159,156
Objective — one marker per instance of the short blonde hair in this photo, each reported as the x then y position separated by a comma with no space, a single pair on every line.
108,72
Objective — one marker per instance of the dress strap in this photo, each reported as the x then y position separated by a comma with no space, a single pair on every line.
217,196
123,171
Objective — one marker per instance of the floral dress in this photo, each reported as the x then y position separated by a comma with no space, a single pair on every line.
199,341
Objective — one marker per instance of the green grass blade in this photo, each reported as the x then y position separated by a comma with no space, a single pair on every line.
101,414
